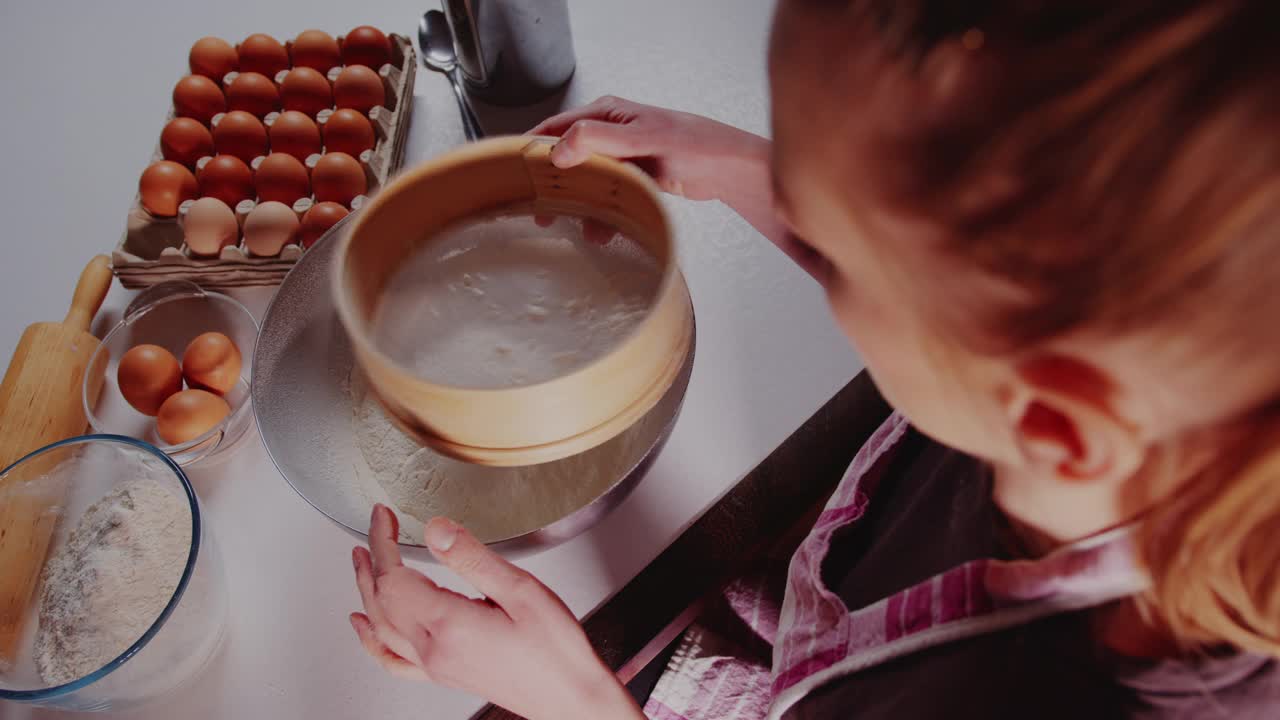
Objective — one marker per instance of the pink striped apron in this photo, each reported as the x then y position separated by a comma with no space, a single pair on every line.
815,638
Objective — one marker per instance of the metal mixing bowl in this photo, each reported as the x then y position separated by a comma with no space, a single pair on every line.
302,368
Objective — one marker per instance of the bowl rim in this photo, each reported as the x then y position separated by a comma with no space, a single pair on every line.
235,416
196,535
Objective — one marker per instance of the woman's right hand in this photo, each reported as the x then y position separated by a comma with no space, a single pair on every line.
688,155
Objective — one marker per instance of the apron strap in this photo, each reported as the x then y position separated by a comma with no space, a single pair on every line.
972,599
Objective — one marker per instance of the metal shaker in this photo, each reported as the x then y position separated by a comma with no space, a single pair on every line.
512,52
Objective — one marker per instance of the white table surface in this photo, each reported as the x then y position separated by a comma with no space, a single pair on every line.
85,87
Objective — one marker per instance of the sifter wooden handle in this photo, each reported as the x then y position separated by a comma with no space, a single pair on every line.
91,290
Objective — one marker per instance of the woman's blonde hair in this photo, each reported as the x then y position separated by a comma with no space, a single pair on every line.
1119,163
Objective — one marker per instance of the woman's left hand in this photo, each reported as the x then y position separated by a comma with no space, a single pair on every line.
520,648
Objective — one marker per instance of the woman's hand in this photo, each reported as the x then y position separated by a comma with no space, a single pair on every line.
520,648
688,155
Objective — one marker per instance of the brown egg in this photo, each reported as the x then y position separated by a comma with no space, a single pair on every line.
185,140
189,414
253,93
209,226
294,133
147,376
164,186
306,91
358,88
269,227
367,46
338,177
212,362
240,134
316,49
213,58
227,178
348,131
282,178
261,53
318,220
198,97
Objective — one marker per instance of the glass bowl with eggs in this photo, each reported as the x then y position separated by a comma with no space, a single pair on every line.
175,372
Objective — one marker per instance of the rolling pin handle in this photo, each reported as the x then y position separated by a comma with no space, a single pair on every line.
91,290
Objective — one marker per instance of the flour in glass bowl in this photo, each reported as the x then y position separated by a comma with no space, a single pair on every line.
105,587
503,302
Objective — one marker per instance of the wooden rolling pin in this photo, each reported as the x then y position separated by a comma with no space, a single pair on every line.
40,403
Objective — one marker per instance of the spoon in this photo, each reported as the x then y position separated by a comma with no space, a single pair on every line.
435,41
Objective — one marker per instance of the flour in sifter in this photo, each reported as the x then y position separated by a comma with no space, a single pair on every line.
502,302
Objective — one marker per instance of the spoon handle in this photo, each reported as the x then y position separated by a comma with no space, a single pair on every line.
470,123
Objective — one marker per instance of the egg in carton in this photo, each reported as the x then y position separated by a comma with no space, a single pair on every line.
279,214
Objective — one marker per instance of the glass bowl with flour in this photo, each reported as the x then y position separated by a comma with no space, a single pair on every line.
130,603
509,313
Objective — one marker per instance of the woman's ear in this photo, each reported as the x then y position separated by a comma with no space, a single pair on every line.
1066,425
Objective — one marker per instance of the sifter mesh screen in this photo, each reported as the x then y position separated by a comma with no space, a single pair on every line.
514,299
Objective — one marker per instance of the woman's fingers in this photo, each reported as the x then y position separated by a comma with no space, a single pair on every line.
593,231
390,662
600,108
556,126
384,528
598,232
513,589
586,137
411,601
403,606
368,585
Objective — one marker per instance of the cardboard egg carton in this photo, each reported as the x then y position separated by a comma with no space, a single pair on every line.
153,250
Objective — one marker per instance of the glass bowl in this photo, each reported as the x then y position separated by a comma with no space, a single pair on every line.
67,655
171,315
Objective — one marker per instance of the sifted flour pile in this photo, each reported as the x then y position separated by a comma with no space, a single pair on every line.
493,503
503,302
110,581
